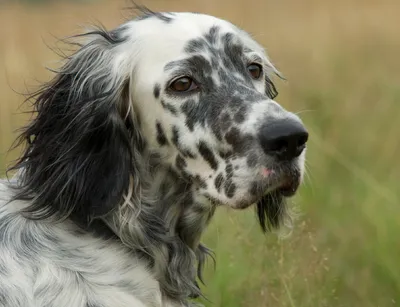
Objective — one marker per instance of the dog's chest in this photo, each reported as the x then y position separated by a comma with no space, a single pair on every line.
55,266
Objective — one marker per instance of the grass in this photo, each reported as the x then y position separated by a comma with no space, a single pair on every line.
341,60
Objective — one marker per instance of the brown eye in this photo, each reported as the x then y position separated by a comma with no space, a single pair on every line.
183,84
255,70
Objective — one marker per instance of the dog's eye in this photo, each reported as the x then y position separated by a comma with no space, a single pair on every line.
183,84
255,70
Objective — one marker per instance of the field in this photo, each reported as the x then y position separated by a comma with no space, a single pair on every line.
341,62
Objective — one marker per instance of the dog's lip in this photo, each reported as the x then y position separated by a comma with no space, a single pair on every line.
289,188
285,184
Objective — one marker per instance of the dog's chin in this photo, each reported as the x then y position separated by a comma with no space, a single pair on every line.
270,201
271,207
269,198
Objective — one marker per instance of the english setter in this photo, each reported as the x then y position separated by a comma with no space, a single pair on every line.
144,131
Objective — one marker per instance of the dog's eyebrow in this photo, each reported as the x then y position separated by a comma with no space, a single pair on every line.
172,65
195,62
253,57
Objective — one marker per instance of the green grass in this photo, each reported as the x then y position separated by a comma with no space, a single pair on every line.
341,60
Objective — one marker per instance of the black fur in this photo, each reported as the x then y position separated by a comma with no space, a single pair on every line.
156,90
271,210
161,137
208,155
78,156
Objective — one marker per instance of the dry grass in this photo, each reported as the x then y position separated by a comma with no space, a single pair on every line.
341,60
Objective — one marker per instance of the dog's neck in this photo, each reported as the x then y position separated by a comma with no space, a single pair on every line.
165,225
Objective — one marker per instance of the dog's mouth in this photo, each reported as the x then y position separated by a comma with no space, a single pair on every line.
283,182
290,184
269,196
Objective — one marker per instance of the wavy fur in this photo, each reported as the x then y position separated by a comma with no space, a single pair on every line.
97,209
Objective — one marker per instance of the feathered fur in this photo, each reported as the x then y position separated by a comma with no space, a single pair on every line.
103,209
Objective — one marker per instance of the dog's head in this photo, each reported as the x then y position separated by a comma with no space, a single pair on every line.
192,88
164,100
204,94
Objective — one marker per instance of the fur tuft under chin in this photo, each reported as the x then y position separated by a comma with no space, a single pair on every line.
275,214
271,211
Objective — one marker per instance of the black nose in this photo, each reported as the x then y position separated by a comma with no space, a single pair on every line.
284,139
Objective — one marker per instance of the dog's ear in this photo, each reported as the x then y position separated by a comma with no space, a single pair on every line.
78,159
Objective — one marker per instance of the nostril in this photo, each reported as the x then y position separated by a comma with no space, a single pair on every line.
300,143
278,145
302,140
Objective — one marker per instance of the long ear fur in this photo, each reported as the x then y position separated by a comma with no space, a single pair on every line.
77,162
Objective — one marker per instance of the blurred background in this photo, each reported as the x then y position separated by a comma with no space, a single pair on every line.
341,61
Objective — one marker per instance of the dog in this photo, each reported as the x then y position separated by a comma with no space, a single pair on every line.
142,133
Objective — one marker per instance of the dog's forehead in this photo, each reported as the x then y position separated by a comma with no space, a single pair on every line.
181,25
173,35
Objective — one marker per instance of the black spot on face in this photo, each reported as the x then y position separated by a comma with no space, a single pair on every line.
208,155
175,140
180,162
196,45
169,107
193,64
233,136
200,182
240,143
225,154
187,108
212,35
229,170
188,153
161,138
240,116
234,54
175,136
189,123
218,181
156,90
230,188
225,122
252,160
